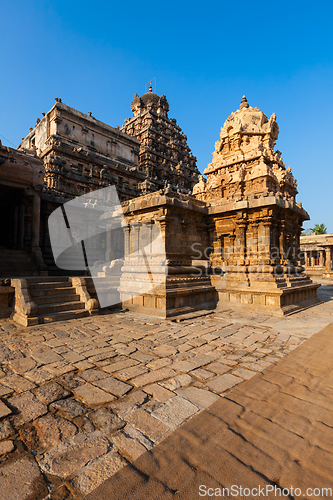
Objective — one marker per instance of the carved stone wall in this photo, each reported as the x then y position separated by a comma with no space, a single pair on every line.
81,154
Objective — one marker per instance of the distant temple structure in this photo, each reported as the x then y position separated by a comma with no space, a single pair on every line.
317,250
238,231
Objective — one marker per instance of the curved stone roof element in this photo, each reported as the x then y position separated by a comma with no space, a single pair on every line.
149,100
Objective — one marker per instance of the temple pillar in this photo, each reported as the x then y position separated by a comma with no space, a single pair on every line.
241,242
265,242
321,258
328,259
232,238
306,259
282,242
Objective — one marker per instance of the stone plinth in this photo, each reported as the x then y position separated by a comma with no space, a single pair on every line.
162,274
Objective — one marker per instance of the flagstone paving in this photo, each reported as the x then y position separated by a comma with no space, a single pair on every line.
80,399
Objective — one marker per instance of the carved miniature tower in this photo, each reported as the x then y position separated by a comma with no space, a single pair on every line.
165,157
256,222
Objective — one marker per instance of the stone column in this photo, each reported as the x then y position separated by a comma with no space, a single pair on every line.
127,242
321,258
328,259
265,242
35,222
281,242
134,237
313,260
241,241
232,238
253,246
306,259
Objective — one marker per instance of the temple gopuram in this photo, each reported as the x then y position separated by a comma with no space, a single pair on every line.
164,155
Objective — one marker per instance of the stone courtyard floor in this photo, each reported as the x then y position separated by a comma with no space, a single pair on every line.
81,399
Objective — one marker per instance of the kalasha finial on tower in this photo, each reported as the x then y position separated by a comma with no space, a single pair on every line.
150,87
244,103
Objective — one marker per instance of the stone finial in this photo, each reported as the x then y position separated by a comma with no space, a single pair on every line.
89,113
150,88
57,99
244,103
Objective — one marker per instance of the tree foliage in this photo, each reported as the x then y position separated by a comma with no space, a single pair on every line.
319,229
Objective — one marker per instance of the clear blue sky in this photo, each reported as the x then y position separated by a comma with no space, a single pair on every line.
204,55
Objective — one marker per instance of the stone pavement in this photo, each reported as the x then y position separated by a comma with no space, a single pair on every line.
270,437
84,398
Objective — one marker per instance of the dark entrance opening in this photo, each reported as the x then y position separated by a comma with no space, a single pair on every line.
10,199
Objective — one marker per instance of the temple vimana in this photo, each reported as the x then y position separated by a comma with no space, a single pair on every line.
231,236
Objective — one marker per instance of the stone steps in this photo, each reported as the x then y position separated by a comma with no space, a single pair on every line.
62,316
56,299
60,307
54,295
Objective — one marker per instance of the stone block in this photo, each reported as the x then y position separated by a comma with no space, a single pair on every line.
16,382
94,474
105,420
176,382
148,425
50,392
22,480
114,386
28,405
54,430
69,408
92,395
6,447
73,454
159,393
153,376
175,411
223,383
4,410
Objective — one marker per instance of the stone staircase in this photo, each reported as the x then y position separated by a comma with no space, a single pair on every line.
56,299
16,263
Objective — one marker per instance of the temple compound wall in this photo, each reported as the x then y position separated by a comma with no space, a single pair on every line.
243,238
317,252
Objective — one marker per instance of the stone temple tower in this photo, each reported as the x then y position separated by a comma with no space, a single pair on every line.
164,156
